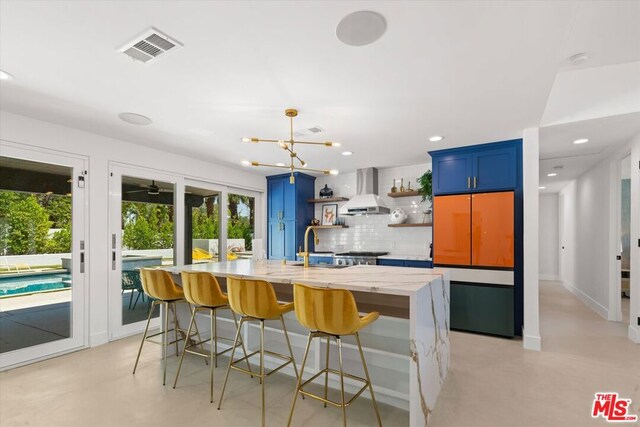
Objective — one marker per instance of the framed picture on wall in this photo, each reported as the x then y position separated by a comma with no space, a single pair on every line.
329,214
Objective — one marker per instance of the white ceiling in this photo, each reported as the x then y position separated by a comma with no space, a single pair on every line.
557,148
472,71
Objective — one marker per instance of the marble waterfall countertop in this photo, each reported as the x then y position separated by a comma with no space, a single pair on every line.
418,348
364,278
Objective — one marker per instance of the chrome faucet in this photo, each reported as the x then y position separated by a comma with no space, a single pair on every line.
305,254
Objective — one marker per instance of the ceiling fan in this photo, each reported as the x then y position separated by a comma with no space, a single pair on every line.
151,190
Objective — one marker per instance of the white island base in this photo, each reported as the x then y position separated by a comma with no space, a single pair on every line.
406,349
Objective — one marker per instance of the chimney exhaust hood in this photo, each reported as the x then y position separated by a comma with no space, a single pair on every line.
366,201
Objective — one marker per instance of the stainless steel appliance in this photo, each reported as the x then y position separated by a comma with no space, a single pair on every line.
357,258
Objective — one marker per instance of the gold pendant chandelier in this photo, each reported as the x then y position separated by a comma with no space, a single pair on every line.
288,145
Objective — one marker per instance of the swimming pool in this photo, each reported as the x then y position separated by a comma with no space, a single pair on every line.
11,286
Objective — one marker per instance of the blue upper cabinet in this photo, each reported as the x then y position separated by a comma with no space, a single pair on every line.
289,213
495,169
486,167
452,173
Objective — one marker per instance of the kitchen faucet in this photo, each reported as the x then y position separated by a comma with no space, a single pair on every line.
305,254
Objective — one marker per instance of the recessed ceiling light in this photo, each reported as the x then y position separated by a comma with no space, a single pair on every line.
361,28
579,58
279,164
347,153
135,119
552,174
5,76
581,141
436,138
542,187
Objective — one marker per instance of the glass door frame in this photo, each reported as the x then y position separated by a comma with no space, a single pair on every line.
79,327
222,190
116,171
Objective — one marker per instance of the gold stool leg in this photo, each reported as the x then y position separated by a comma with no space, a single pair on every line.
326,375
295,394
366,373
262,377
144,336
214,356
184,349
344,408
197,333
214,333
286,337
165,341
244,350
226,377
175,326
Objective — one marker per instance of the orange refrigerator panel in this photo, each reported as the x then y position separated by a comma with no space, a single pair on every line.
452,230
492,229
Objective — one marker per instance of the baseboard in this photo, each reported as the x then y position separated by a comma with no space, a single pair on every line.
634,334
550,277
590,302
98,339
531,342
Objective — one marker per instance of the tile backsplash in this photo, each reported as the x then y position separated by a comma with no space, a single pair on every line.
370,233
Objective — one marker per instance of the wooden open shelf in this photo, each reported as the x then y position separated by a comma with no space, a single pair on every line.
428,224
411,193
328,200
331,226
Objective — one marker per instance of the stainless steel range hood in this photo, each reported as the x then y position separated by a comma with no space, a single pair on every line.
367,201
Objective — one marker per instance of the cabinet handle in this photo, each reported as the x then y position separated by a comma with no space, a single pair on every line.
468,182
475,182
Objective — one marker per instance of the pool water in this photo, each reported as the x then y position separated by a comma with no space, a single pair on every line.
31,284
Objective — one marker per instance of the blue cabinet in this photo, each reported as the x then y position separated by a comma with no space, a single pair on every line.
405,263
486,167
289,213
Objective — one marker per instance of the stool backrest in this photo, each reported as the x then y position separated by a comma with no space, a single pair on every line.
159,284
254,298
333,311
202,288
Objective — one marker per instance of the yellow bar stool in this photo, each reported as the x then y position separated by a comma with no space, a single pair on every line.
255,300
331,313
160,287
203,291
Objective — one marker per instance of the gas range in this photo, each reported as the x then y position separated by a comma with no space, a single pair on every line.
357,258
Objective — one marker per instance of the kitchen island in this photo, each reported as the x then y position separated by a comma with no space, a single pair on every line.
407,348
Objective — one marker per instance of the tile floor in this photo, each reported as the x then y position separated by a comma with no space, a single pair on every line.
492,382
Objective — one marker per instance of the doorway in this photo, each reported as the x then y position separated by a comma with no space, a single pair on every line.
43,257
625,238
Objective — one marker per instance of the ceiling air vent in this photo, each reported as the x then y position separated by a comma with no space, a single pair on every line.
309,131
149,46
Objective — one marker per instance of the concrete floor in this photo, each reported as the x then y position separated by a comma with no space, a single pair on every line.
492,382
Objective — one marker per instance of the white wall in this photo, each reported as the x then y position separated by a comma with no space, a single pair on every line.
587,209
100,151
548,251
370,233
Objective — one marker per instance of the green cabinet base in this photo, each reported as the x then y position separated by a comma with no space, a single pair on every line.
482,308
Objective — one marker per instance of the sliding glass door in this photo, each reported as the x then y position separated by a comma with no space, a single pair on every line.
43,254
142,230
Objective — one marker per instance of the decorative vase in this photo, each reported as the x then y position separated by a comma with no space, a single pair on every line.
398,216
394,189
326,192
427,216
402,185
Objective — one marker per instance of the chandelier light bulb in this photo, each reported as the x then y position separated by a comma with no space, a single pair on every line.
245,163
245,139
333,172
